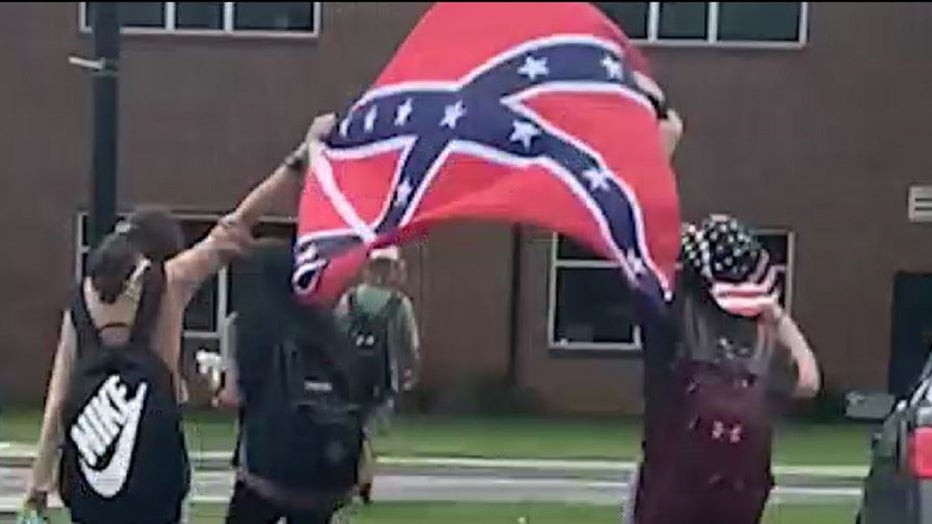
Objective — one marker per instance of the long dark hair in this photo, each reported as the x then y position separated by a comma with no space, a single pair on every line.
267,309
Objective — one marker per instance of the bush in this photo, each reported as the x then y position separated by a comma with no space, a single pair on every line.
485,395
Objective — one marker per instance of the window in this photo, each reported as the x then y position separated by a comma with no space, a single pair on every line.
211,303
258,18
774,24
590,303
591,306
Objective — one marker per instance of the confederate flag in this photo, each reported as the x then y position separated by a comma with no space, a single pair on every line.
516,112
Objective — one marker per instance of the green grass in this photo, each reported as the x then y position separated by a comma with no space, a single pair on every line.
405,513
517,437
448,513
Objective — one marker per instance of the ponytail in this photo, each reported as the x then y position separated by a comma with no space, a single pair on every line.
111,265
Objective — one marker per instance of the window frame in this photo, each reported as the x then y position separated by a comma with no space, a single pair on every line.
228,29
635,346
711,40
221,311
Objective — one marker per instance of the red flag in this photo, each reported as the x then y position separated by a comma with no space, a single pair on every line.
517,112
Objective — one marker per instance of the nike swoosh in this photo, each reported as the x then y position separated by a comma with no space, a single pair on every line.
110,480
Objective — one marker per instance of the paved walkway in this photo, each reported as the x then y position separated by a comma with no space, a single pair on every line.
477,480
20,456
215,487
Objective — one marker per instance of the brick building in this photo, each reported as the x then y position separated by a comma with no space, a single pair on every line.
806,119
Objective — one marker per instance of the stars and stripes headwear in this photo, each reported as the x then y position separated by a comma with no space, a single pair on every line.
736,269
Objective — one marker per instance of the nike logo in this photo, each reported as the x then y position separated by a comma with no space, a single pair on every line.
109,417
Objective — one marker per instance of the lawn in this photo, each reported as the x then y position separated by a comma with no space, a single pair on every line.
445,513
517,437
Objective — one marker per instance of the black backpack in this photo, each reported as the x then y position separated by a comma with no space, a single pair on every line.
369,333
124,457
301,423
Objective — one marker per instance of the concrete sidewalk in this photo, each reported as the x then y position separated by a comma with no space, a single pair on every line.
20,456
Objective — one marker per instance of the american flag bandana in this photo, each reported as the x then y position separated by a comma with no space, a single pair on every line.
524,113
733,264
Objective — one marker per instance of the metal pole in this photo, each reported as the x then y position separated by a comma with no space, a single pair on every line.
512,369
106,29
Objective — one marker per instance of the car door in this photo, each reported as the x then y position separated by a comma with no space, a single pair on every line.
885,488
890,487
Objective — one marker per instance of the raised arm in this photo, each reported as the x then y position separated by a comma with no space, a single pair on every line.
413,338
790,337
232,234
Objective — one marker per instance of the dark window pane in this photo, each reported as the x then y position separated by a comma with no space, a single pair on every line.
135,14
630,16
199,15
777,246
593,305
84,229
196,230
569,249
280,230
781,286
759,21
201,314
683,20
274,16
83,268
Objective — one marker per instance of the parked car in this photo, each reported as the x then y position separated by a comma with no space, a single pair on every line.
898,487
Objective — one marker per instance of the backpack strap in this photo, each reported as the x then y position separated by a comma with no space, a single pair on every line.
87,334
146,315
352,303
390,308
147,311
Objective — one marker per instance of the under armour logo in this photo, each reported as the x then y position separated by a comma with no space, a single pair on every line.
720,431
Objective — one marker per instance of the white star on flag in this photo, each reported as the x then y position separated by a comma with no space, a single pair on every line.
534,67
452,114
403,112
635,262
597,178
344,126
371,115
523,132
612,67
403,193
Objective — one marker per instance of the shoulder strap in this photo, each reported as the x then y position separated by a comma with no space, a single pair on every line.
87,333
147,311
352,302
390,307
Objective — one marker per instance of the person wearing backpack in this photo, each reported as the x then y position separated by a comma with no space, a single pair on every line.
382,327
105,445
709,422
292,379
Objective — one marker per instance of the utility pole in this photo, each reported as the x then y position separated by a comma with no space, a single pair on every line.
104,69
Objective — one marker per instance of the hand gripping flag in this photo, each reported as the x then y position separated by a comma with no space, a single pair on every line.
517,112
